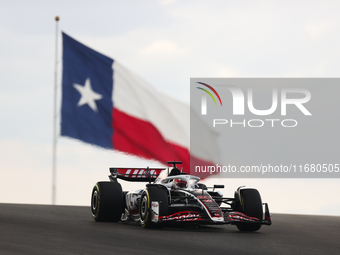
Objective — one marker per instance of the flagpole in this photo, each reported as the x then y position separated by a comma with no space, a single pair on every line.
55,116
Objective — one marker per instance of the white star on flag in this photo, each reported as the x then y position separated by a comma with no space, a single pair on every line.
88,96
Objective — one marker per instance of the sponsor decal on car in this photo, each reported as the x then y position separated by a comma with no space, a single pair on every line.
237,216
182,216
212,207
138,172
154,211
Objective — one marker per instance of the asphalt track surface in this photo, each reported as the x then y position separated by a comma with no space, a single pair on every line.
46,229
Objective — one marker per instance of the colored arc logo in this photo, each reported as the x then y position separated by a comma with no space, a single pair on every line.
209,92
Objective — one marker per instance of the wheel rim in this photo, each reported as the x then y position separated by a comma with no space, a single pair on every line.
94,202
144,207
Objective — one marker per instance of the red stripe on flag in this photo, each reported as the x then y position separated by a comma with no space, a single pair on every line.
140,138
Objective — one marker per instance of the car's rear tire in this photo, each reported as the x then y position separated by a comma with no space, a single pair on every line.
107,202
155,194
251,205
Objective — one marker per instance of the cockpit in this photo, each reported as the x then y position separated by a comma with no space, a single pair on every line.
173,178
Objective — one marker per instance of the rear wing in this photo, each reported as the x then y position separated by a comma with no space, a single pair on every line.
135,174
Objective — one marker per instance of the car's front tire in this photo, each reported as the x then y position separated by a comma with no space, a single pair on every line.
250,205
155,194
107,202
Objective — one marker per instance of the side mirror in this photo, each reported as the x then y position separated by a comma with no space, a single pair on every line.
218,186
202,186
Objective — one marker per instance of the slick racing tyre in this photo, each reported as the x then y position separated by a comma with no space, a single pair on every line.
152,194
107,202
251,205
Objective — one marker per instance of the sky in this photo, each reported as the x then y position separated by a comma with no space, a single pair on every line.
166,42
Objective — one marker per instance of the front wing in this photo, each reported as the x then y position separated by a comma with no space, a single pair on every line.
201,217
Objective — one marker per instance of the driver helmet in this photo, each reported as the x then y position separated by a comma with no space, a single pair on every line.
181,183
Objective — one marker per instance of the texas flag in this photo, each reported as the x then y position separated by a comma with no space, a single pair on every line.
105,104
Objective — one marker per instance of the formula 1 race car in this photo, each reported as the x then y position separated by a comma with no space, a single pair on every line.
172,196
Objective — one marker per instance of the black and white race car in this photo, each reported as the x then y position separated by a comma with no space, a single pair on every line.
172,196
